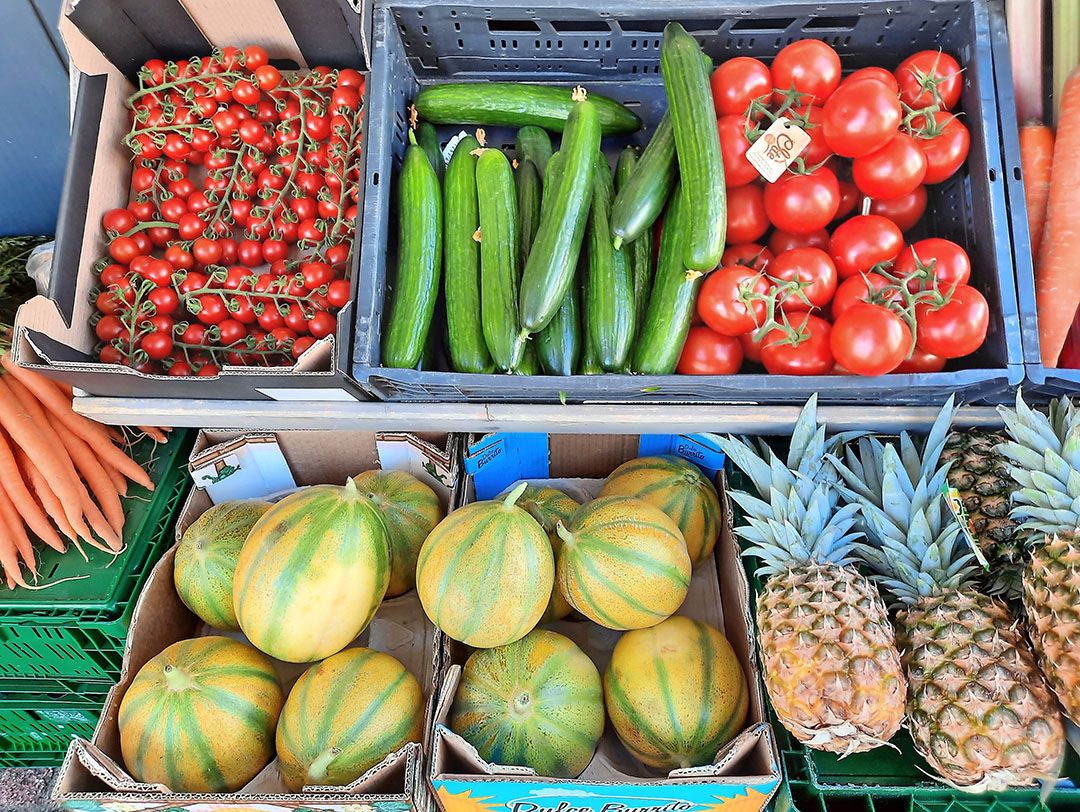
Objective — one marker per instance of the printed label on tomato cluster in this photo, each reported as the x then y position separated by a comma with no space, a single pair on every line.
777,148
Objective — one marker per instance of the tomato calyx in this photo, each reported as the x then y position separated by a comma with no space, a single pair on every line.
929,82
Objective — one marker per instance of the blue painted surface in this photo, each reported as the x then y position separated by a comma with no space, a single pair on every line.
33,116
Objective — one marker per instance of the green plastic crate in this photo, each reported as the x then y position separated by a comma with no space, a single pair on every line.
75,631
35,730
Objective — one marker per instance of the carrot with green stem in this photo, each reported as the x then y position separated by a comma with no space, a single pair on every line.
1036,160
11,480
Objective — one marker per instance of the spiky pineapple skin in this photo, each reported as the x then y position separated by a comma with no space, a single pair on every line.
979,711
832,669
1052,606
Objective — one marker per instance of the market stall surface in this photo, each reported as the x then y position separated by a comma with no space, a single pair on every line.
26,790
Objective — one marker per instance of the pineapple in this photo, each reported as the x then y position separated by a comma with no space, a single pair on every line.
832,669
979,711
1045,457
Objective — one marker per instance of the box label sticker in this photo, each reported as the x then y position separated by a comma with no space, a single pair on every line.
249,469
777,148
700,449
500,459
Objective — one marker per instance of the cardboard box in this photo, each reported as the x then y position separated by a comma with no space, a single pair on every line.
93,776
745,773
108,40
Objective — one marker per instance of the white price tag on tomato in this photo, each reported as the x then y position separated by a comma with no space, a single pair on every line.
777,148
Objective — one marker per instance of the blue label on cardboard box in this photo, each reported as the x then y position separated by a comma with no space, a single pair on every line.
500,459
700,449
490,795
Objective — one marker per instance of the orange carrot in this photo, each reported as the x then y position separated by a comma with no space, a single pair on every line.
95,475
17,530
153,433
9,556
1057,284
117,479
1036,158
11,480
45,495
95,435
55,468
99,523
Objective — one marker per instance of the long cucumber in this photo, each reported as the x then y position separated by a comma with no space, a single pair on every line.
640,201
461,260
429,140
498,257
590,363
610,316
419,262
671,302
559,344
553,258
529,194
533,144
640,250
697,147
516,104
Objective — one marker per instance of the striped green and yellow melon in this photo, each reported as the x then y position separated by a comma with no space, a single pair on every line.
344,716
623,563
675,693
206,560
200,716
679,489
312,573
549,507
485,573
537,702
410,510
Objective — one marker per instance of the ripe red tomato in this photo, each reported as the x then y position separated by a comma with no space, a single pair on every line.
894,170
956,328
929,77
880,74
858,289
337,293
142,209
810,66
861,117
733,145
781,241
251,131
801,203
255,57
725,301
708,353
111,274
749,254
737,82
338,255
347,77
921,361
905,211
205,251
231,331
124,249
868,339
212,309
109,328
751,349
273,250
322,324
158,271
815,272
295,319
118,220
936,258
309,231
811,119
191,226
849,199
316,274
225,122
165,300
157,346
858,244
249,252
747,220
945,143
807,354
268,77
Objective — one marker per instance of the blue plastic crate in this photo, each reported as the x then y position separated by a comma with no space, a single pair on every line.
616,51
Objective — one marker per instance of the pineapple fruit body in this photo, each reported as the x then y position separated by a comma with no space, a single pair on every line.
978,709
831,665
1052,606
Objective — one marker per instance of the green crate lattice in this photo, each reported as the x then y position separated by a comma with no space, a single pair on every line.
35,730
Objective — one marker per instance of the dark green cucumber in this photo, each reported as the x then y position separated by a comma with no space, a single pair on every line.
671,302
529,364
610,316
697,146
533,144
429,140
642,198
559,344
590,363
461,260
550,270
498,258
515,104
528,183
640,251
419,260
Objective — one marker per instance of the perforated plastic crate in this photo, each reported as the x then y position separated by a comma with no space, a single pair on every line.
74,632
35,730
615,50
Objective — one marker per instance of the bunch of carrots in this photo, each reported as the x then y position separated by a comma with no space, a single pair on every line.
61,475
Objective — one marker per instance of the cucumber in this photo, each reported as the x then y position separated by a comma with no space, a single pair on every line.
559,344
697,147
590,364
642,198
528,208
429,140
640,251
671,302
498,257
516,104
610,315
419,262
529,364
550,270
533,144
461,260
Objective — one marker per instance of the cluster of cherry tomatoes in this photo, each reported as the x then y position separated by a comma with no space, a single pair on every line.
835,286
236,245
